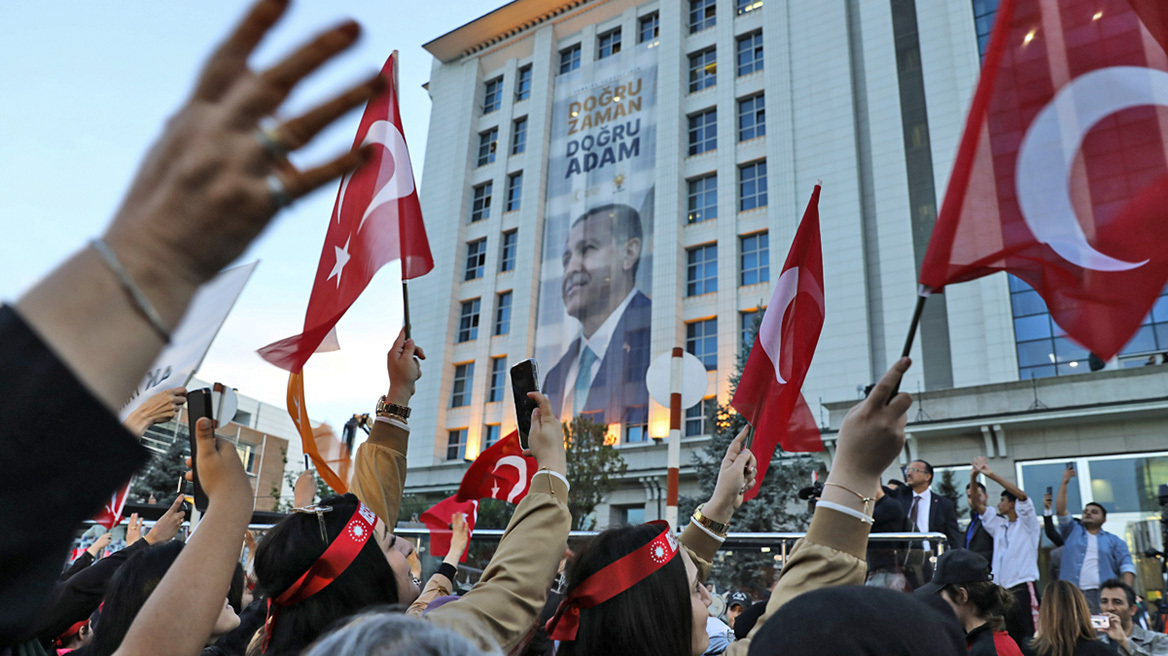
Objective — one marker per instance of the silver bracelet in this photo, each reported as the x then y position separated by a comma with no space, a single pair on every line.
131,288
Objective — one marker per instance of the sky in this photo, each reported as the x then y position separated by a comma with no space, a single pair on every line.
88,87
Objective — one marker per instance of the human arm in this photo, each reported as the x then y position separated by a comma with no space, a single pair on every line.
158,409
736,474
81,562
168,524
976,503
100,544
980,466
442,581
1060,504
379,471
1123,559
506,602
1052,532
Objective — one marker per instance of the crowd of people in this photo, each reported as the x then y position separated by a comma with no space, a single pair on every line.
332,578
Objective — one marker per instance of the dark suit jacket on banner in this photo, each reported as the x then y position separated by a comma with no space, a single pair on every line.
942,515
620,380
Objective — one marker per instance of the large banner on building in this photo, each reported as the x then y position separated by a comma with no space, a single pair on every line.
592,337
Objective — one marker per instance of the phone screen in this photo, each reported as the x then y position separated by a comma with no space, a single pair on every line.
198,406
524,379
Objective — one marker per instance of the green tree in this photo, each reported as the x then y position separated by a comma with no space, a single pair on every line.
162,473
777,506
594,468
948,489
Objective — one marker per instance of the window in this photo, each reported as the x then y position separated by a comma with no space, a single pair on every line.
498,379
751,117
468,321
649,27
703,69
749,330
523,83
697,418
636,424
514,191
756,259
701,15
629,515
701,339
503,314
744,6
984,12
460,394
476,259
480,206
510,245
519,136
752,186
701,270
570,59
488,142
750,53
608,44
702,198
490,435
703,132
456,444
493,97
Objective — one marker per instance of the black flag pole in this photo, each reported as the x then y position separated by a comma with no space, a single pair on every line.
912,333
406,306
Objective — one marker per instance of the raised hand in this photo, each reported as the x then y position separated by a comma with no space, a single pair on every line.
546,437
100,544
980,466
735,477
158,409
304,491
133,529
872,434
221,472
167,526
459,538
404,369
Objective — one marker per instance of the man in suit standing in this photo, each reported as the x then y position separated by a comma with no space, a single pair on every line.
603,372
928,512
977,539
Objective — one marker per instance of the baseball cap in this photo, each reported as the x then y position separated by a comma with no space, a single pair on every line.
957,566
738,599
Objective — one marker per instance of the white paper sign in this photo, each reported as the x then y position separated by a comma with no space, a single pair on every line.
177,363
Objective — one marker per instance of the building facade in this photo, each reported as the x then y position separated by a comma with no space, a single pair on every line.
752,102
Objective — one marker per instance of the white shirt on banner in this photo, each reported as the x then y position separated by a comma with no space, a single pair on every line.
598,344
1015,544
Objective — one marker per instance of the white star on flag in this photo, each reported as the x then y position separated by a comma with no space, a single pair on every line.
342,259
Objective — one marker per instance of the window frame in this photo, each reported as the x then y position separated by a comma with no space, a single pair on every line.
700,77
502,323
700,261
492,95
469,318
702,132
759,180
523,82
762,269
480,202
514,191
613,43
478,270
488,147
757,114
697,189
570,58
467,369
747,43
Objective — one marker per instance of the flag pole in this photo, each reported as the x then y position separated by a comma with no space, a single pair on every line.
673,459
912,332
406,305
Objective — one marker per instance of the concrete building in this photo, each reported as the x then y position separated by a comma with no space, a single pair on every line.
871,98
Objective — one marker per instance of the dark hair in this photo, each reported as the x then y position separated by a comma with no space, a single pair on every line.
990,600
1099,506
928,467
1006,494
652,617
286,553
895,481
1116,584
128,591
978,484
626,224
235,592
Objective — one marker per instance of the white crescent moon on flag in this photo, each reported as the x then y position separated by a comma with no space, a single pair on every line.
520,465
401,183
770,331
1053,141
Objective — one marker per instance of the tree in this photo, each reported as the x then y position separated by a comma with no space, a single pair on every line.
162,473
948,489
594,468
777,506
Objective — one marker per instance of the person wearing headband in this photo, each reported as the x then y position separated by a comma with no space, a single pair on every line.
639,590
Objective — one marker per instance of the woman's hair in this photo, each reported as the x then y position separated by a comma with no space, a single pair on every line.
381,632
128,591
286,553
235,592
989,600
654,616
1063,620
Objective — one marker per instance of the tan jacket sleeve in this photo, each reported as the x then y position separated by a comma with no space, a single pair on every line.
379,472
832,553
504,605
701,547
437,586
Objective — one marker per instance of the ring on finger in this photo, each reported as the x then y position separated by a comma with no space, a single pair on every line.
271,142
278,192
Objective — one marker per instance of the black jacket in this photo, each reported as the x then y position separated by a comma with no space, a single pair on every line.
981,542
942,514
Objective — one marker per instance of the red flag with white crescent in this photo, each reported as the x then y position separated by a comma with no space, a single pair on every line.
111,512
439,519
1061,177
376,219
500,472
769,393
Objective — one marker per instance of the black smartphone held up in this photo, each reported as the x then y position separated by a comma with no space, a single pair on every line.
524,379
198,406
1049,490
1070,465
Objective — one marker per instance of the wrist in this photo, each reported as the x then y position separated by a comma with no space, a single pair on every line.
718,510
399,396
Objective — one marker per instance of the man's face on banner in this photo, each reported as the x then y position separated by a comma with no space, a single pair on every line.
598,272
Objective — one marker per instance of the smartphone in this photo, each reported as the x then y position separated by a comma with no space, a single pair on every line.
1070,465
1100,622
524,379
198,406
1049,490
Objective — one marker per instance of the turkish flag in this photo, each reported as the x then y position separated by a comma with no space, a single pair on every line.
500,472
111,512
769,391
1061,177
439,519
376,219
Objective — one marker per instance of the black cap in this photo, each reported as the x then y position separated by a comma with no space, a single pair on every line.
957,566
738,599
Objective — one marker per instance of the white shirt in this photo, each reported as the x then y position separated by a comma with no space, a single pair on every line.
1089,575
1015,544
923,507
598,344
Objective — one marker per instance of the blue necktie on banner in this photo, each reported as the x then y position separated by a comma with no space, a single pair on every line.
583,380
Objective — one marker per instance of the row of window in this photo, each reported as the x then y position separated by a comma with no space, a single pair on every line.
702,192
489,142
480,206
703,64
702,132
701,264
493,90
476,255
468,317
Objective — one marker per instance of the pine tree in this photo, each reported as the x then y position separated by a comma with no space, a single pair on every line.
777,506
162,473
948,489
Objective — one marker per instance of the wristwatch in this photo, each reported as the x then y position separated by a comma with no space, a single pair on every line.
716,527
400,411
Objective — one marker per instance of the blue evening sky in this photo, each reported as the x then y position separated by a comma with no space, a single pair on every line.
87,88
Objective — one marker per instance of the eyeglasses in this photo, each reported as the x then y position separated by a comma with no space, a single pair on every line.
915,470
